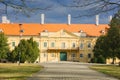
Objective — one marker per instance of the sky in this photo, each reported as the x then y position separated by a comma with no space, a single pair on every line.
56,13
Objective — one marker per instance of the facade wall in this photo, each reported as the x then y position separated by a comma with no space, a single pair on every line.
109,61
51,46
76,45
71,47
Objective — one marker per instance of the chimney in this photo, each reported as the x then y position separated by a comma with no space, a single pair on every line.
5,20
42,18
97,20
69,19
110,18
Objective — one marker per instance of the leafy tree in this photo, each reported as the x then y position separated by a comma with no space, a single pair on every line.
109,45
27,50
113,37
14,56
23,45
113,42
33,50
115,22
100,50
4,49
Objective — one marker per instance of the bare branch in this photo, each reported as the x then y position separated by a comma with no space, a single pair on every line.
23,6
92,6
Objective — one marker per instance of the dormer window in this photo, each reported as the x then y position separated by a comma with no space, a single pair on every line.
21,30
81,31
102,31
45,30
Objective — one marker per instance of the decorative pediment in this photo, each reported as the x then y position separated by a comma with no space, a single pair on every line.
61,33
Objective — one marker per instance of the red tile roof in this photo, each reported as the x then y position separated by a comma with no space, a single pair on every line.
35,29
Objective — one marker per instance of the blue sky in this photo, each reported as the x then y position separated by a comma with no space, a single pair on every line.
57,13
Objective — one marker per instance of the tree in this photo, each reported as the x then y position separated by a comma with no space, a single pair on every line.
14,55
115,22
100,50
92,7
113,42
33,50
109,45
113,37
4,49
27,50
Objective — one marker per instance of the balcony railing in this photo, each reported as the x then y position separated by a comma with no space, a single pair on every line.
60,48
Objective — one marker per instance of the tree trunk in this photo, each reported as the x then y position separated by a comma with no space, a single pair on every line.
113,60
119,64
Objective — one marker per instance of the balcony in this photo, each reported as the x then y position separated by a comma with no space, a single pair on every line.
60,48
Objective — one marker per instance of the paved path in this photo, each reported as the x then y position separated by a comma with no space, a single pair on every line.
69,71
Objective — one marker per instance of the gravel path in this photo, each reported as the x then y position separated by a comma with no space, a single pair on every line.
68,71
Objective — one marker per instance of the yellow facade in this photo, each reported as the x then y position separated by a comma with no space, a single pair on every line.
58,42
51,44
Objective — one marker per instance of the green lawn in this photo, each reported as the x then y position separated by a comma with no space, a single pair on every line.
111,70
15,72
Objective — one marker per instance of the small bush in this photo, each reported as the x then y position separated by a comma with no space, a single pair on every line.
101,59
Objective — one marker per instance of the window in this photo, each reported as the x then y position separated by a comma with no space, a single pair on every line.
13,44
89,45
89,55
73,55
73,45
38,44
21,30
44,55
45,44
63,45
81,55
81,45
52,44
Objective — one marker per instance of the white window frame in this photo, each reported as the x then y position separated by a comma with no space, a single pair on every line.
81,55
81,45
52,44
73,45
13,44
45,44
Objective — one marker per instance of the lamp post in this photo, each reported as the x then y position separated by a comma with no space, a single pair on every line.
21,33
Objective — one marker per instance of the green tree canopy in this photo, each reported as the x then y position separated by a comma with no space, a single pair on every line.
27,50
109,45
33,50
100,50
4,49
113,37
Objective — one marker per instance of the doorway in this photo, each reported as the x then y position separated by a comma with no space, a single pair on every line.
63,56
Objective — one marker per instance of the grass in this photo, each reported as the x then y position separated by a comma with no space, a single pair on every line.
111,70
16,72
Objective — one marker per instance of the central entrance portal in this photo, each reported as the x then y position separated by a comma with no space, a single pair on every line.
63,56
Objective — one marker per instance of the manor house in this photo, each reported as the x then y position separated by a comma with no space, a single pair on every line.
57,42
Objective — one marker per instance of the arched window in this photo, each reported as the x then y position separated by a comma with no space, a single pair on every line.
89,45
73,45
81,45
52,44
45,44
